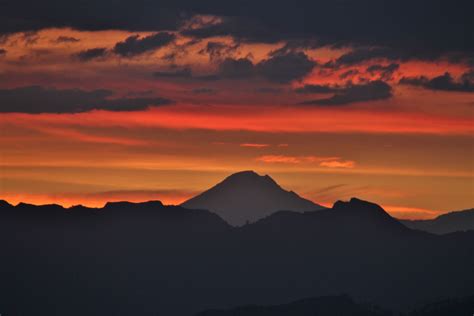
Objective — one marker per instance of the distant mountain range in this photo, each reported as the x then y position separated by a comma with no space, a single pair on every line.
320,306
247,197
344,305
446,223
152,259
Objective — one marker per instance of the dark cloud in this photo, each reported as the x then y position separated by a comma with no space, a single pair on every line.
176,50
241,68
360,55
36,99
141,15
66,39
219,50
385,72
279,69
243,29
203,91
3,51
468,76
269,90
296,45
92,53
434,27
185,73
316,88
371,91
349,73
131,104
286,67
134,45
443,83
30,37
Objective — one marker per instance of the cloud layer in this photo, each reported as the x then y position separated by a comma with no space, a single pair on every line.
36,99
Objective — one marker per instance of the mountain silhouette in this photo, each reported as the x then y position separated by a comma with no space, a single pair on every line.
246,197
152,259
446,223
345,305
321,306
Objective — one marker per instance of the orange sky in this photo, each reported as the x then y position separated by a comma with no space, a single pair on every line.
412,153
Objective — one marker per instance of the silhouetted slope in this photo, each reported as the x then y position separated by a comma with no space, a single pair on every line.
247,196
320,306
149,259
447,307
446,223
344,305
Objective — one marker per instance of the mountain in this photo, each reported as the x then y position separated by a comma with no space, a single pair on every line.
153,259
246,197
344,305
453,306
321,306
446,223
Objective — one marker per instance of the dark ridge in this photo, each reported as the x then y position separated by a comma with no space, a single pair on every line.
445,223
5,204
150,204
49,207
324,306
147,258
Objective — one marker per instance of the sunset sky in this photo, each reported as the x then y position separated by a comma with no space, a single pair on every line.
143,101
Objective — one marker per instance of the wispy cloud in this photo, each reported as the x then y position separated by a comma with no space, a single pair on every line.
254,145
328,162
338,164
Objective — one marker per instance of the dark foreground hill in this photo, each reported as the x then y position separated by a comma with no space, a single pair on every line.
151,259
344,305
446,223
246,197
320,306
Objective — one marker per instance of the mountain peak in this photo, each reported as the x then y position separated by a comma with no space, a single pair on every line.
249,177
355,205
358,209
247,196
4,204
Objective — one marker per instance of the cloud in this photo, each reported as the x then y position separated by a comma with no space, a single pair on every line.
219,50
243,29
92,53
179,73
286,67
279,159
416,52
316,88
269,90
135,45
241,68
296,159
3,52
36,99
385,72
66,39
443,83
327,162
360,55
349,73
371,91
254,145
278,69
441,29
345,164
203,91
